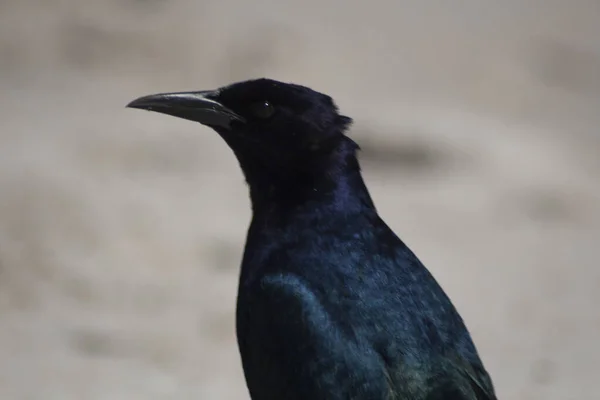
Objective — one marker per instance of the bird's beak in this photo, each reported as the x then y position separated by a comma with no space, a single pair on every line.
194,106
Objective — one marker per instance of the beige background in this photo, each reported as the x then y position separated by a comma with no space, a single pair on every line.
121,231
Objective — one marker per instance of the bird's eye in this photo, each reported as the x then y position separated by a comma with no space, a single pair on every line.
262,109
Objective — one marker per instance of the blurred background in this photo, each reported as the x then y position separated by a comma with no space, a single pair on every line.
121,231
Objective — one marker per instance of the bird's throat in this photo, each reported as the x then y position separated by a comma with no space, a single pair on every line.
334,185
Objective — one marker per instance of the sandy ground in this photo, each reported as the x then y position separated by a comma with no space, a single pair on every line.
121,231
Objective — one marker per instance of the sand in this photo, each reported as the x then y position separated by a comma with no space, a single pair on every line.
122,230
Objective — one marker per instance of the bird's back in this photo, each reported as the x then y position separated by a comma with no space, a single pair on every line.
346,310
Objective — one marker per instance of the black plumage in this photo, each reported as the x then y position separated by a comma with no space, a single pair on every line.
331,303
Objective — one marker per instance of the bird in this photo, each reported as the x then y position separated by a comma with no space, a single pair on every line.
331,303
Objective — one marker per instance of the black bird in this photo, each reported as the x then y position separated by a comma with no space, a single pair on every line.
331,303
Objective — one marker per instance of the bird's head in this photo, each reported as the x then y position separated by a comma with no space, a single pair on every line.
272,127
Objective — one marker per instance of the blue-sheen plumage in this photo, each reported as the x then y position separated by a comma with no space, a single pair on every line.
331,303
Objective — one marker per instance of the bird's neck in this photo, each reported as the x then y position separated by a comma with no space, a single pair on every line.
333,185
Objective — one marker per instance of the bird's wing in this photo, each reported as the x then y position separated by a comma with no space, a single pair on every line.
292,348
479,380
448,378
462,380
